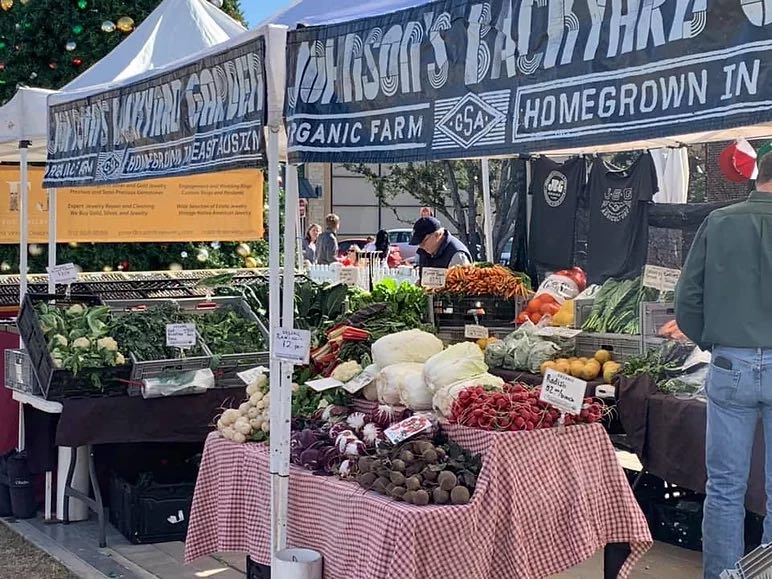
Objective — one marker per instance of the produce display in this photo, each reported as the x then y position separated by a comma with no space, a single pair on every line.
516,407
144,333
421,472
524,350
670,368
252,420
80,336
617,307
225,331
551,296
600,365
485,279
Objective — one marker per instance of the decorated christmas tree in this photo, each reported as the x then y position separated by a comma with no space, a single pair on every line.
47,43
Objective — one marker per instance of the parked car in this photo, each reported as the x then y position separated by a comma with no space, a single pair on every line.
400,238
346,244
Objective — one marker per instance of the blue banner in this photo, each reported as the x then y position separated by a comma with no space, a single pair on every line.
464,78
205,116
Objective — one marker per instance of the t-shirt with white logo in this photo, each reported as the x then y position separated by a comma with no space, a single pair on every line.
555,191
619,219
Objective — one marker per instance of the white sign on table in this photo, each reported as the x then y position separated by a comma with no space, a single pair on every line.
433,277
181,335
363,379
63,274
475,332
663,279
251,375
291,346
324,384
564,392
349,275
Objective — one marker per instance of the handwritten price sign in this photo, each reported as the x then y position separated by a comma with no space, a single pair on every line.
63,274
181,335
564,392
433,277
291,346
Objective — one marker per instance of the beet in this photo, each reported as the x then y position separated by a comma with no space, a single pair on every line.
460,495
421,498
440,496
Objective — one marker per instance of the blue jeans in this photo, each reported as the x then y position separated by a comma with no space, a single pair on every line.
736,398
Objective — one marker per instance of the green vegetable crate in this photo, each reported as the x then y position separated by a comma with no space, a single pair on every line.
654,315
226,365
621,346
452,336
18,373
582,311
59,383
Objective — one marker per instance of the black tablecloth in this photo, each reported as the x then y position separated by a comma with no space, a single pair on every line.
127,419
668,435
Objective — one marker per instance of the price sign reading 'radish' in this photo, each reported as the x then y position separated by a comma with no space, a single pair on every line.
564,392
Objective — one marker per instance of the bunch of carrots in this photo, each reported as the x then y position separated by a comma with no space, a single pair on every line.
496,280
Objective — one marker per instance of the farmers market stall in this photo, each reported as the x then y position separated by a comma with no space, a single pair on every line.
667,432
557,513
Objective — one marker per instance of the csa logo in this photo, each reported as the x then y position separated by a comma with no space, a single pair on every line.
617,204
470,120
555,188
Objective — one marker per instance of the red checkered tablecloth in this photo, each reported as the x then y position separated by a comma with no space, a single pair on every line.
545,501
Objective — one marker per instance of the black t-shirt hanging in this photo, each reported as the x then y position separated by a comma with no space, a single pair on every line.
555,192
619,219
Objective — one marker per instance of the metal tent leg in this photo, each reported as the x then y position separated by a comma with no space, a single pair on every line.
94,504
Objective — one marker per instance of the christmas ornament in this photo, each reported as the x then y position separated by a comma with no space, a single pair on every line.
250,262
35,250
77,29
243,249
217,3
24,2
738,162
6,4
52,65
2,45
124,265
5,266
215,245
202,255
175,267
107,268
33,75
2,66
70,46
184,254
125,23
82,4
73,244
77,62
108,26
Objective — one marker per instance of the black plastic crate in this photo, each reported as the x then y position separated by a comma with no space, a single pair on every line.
58,383
150,510
457,310
677,521
256,570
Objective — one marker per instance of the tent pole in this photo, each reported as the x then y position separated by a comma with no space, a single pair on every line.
23,218
274,317
288,318
487,212
51,238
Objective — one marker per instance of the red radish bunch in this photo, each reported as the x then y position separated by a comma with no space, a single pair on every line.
517,407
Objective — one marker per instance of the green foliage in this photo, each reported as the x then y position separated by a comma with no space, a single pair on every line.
33,37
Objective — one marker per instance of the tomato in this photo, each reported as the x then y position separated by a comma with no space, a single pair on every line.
533,306
550,309
535,317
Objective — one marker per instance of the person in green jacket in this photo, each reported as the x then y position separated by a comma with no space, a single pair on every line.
724,304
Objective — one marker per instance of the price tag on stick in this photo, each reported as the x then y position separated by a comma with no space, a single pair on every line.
181,335
433,277
63,274
564,392
291,346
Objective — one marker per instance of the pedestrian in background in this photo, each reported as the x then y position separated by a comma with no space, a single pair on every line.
327,243
436,246
309,242
723,304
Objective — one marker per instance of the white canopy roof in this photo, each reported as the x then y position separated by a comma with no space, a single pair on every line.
174,30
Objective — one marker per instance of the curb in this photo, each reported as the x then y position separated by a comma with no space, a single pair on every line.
74,564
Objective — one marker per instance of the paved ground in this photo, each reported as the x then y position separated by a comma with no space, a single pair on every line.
121,560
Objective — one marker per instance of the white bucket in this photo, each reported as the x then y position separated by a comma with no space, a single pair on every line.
297,564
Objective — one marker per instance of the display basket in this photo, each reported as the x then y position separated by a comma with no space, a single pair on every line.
226,367
18,373
454,310
622,346
654,315
58,383
582,311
